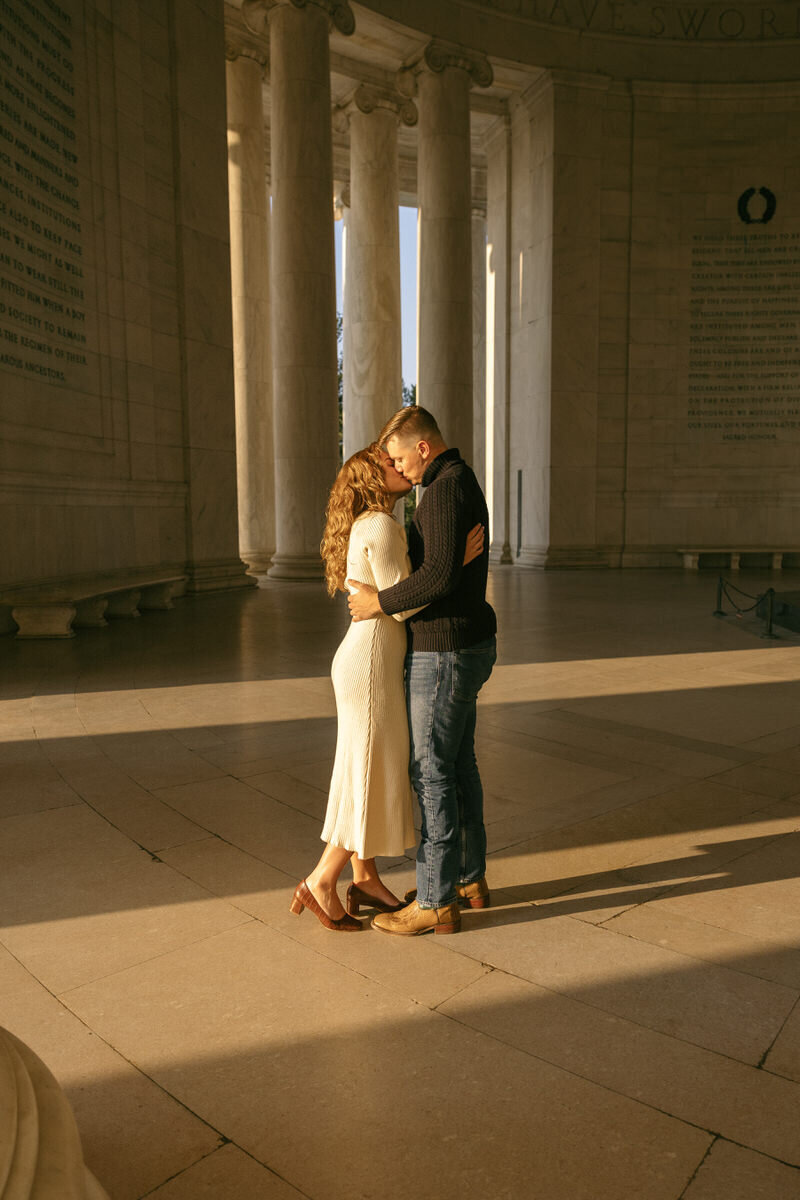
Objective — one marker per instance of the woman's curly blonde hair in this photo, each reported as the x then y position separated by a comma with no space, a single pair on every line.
359,487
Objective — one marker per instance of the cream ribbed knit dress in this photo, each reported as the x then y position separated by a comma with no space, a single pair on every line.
370,806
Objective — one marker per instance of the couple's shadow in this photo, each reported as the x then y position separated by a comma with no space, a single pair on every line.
717,867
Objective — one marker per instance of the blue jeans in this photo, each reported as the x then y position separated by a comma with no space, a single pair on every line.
441,693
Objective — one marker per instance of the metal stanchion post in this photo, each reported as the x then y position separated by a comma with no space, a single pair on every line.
770,596
718,611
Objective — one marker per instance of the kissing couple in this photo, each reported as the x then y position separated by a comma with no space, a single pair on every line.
406,678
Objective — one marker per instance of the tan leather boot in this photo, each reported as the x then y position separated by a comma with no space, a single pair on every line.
474,895
413,920
470,895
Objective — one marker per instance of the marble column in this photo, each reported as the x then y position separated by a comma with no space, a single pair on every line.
478,459
372,351
204,348
442,78
341,212
249,216
303,275
498,317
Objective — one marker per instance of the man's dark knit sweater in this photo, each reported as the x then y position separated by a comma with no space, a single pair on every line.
456,614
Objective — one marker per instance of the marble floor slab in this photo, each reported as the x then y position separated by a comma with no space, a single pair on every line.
709,1005
227,1172
121,1113
732,1173
260,1074
712,1091
622,1024
784,1055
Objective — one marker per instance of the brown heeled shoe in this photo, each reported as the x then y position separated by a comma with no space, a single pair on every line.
304,898
356,899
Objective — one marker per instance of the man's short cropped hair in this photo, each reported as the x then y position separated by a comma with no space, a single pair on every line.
413,421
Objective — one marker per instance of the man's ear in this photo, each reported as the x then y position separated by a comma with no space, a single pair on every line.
424,448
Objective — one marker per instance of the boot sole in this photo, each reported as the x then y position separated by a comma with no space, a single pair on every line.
454,927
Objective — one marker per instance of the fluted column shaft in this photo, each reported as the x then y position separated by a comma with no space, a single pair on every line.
303,286
478,459
372,350
498,334
250,293
445,267
443,76
372,346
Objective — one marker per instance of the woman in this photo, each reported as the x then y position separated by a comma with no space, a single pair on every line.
370,811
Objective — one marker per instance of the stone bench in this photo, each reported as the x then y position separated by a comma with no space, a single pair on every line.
40,1148
51,611
739,558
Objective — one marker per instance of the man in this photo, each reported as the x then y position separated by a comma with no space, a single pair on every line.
450,656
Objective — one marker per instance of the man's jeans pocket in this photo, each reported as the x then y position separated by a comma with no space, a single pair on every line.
471,668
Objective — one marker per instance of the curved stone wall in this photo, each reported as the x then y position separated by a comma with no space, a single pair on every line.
117,430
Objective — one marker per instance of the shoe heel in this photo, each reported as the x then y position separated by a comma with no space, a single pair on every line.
296,906
450,927
478,902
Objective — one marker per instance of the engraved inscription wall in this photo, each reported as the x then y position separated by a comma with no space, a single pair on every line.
43,322
716,22
744,337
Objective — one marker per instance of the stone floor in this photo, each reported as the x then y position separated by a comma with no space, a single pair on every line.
623,1024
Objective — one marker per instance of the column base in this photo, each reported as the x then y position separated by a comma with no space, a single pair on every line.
218,576
41,1144
532,558
257,561
500,554
296,567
